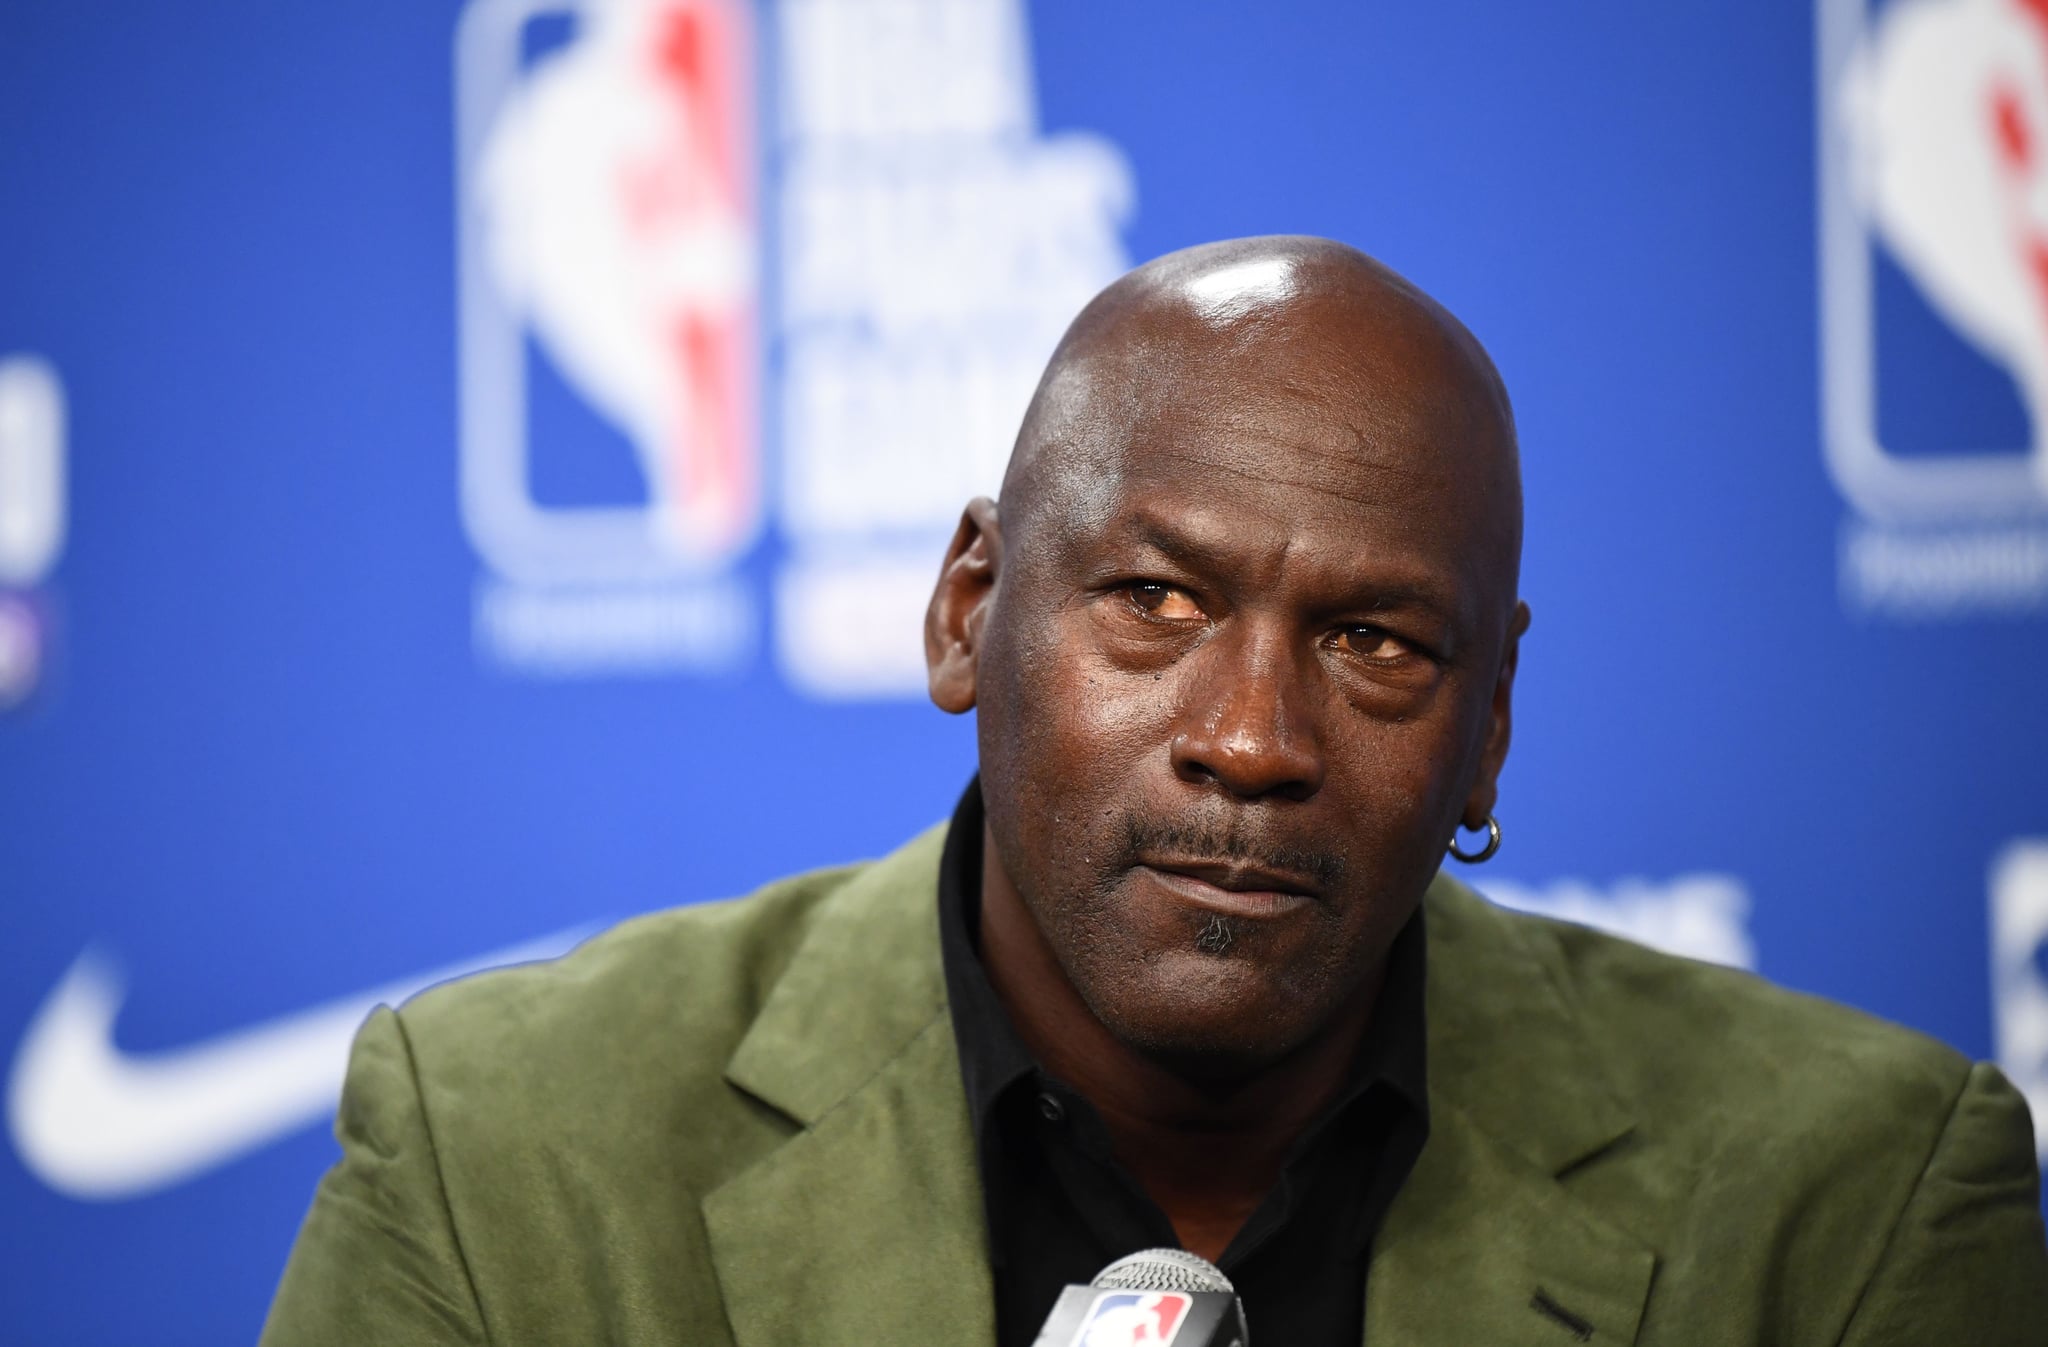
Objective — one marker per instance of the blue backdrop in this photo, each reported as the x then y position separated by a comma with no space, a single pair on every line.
468,473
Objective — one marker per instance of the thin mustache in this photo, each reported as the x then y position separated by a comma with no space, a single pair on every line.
1180,844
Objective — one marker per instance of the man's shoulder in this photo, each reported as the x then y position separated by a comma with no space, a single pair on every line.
1717,1060
552,1110
676,982
646,1019
1691,1033
1786,1159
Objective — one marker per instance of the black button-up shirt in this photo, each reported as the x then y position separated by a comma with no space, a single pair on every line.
1060,1207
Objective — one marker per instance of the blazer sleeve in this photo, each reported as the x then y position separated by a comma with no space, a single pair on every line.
1966,1262
378,1259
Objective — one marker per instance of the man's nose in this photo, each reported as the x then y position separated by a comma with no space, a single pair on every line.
1248,722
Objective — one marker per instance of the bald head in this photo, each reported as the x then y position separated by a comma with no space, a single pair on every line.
1239,321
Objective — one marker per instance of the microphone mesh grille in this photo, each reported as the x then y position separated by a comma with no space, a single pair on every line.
1162,1270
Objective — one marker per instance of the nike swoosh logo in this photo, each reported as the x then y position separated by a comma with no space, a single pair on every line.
99,1124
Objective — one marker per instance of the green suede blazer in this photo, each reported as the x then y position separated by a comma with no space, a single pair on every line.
743,1123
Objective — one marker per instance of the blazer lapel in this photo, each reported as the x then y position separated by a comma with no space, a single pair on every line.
1483,1247
1485,1242
866,1226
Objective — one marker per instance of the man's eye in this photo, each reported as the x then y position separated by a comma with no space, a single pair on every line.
1164,601
1372,643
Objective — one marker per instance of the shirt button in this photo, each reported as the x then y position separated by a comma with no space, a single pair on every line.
1051,1109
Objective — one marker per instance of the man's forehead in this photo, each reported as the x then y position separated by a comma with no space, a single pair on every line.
1211,416
1294,368
1339,468
1218,506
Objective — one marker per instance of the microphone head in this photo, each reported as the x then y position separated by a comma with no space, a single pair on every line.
1162,1270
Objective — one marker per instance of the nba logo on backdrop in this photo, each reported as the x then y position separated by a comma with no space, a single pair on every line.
932,244
1933,123
2019,973
1133,1319
610,467
33,509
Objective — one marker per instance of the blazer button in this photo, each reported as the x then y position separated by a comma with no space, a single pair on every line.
1051,1109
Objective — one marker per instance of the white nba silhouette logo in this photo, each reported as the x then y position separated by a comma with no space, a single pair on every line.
1126,1326
32,513
2019,973
606,209
1134,1319
1934,141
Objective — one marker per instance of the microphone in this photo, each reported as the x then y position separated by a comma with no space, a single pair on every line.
1154,1297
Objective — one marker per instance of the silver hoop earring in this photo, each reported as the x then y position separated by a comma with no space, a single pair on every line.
1485,852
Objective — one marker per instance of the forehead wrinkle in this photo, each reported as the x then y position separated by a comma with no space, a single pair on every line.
1411,477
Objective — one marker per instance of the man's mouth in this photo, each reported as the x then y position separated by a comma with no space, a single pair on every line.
1232,888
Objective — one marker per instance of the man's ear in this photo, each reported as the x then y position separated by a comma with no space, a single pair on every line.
959,606
1499,728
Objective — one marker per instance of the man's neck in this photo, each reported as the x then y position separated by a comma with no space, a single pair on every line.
1205,1147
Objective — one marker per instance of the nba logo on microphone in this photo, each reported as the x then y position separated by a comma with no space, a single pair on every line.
609,457
1130,1318
1933,156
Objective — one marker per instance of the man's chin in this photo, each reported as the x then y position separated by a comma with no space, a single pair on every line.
1226,1035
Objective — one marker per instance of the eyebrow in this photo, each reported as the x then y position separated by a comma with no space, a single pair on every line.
1149,531
1372,595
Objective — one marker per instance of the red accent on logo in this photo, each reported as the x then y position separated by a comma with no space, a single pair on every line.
1172,1308
2017,142
700,58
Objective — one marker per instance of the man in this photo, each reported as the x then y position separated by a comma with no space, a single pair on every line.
1242,635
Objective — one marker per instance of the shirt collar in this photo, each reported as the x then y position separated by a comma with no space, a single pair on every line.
992,1057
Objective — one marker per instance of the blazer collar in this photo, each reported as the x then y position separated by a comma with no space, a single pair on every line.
864,981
